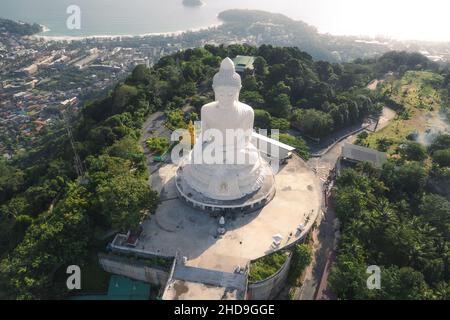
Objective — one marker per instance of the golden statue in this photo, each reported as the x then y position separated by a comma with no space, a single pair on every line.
191,129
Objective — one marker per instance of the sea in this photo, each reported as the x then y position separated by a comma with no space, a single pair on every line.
401,19
124,17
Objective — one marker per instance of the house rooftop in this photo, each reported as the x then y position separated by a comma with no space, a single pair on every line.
243,62
356,153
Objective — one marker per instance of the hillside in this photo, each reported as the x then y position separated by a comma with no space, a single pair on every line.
279,30
51,218
421,105
19,28
398,217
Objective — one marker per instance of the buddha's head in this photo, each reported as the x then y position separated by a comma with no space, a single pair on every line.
227,83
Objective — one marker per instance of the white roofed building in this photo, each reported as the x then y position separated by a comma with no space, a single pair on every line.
272,149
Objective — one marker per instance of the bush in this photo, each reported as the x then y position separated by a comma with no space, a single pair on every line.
413,151
440,143
363,135
361,138
313,122
280,124
442,157
298,143
302,257
412,136
262,119
267,266
158,145
383,144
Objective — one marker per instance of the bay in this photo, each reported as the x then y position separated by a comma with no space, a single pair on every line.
401,19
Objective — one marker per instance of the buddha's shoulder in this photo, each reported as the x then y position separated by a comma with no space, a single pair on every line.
245,107
209,106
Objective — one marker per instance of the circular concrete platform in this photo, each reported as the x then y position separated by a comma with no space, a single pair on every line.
247,204
177,227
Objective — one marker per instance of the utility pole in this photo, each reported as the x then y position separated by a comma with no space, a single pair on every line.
77,161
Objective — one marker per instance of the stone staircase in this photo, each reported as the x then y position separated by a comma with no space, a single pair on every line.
211,277
199,283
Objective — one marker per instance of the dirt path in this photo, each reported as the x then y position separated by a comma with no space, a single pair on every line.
386,117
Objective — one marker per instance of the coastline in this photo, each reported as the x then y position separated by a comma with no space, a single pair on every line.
44,28
41,35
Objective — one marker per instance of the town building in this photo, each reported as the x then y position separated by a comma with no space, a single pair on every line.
354,154
243,63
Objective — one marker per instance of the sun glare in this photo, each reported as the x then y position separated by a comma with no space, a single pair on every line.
399,19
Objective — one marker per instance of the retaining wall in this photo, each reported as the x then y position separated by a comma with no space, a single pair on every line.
133,269
270,287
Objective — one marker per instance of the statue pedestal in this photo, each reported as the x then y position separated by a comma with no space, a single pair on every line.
247,204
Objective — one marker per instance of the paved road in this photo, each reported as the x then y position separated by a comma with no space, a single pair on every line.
323,165
154,126
325,236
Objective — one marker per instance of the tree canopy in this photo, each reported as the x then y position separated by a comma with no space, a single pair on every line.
392,218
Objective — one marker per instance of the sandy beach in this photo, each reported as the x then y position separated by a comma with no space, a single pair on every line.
119,36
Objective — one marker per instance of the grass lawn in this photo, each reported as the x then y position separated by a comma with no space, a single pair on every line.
399,129
416,89
417,92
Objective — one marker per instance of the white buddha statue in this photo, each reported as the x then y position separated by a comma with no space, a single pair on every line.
227,113
224,164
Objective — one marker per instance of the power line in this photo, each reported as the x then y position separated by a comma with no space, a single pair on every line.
77,160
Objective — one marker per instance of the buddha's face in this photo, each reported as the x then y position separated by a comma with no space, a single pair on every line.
226,95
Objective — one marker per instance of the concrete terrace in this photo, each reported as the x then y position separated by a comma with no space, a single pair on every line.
186,290
193,234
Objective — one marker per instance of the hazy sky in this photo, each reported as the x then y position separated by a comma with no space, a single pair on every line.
400,19
403,19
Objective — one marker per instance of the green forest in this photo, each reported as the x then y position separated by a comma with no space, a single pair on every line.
19,28
397,218
50,216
